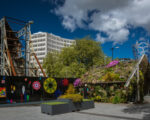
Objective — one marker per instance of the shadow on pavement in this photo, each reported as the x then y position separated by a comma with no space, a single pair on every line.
142,108
110,116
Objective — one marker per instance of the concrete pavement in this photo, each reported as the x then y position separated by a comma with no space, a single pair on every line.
102,111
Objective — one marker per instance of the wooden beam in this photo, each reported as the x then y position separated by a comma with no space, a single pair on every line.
11,63
39,65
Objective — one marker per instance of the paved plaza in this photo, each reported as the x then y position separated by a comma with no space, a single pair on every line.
101,111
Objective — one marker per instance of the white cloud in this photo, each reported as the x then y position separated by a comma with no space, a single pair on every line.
113,18
69,23
100,38
115,28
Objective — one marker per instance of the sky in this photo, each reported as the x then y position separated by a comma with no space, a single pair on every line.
114,23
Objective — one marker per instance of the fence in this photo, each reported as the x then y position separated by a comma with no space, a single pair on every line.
25,89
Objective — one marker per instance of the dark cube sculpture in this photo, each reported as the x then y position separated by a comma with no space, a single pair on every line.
61,106
87,104
53,109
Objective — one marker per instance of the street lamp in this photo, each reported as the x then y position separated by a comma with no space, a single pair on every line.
105,57
113,51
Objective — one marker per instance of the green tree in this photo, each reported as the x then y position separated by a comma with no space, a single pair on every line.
51,63
74,61
89,52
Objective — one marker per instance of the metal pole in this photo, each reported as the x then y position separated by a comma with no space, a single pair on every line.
25,51
112,53
138,87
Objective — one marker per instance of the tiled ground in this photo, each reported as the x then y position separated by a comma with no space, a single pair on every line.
100,112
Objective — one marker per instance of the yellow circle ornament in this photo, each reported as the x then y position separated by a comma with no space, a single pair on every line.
50,85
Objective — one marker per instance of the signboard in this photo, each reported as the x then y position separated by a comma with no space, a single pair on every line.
2,92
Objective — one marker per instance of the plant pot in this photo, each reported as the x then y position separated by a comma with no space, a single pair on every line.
55,109
87,105
44,108
77,105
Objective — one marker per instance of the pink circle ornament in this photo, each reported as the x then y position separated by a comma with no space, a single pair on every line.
3,81
25,79
112,63
36,85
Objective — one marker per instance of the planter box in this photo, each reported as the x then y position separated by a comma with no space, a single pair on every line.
71,104
87,104
55,109
65,106
77,106
44,108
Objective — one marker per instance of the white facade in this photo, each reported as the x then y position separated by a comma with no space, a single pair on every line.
43,42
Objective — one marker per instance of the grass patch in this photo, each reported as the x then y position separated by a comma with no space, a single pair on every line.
55,103
86,99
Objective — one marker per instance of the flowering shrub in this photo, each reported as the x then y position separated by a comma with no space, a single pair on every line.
73,97
112,63
70,94
77,82
70,90
110,76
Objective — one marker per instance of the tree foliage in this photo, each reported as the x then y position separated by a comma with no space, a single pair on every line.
75,60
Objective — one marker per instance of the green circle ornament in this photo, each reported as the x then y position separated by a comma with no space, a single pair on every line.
50,85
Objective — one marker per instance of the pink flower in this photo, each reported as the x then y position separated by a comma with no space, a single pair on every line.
77,82
112,63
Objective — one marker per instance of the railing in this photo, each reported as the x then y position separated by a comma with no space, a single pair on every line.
134,71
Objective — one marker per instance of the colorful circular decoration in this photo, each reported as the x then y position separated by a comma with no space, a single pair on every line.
57,93
36,85
25,79
50,85
29,82
3,77
3,81
65,82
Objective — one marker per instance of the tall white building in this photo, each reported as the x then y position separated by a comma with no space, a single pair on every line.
43,42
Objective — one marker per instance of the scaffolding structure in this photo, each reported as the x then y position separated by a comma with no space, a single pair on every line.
141,47
16,49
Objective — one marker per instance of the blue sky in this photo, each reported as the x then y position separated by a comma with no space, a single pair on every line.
112,23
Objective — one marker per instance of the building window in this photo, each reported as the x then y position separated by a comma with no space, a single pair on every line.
41,49
42,44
